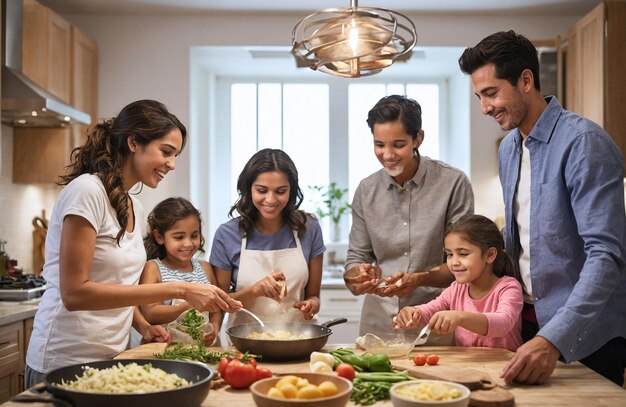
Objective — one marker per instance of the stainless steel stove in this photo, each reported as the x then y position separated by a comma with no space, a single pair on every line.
22,287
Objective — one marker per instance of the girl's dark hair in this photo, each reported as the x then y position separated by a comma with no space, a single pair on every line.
482,232
509,52
106,150
397,107
268,160
162,218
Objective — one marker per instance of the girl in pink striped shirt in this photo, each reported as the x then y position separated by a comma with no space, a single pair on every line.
483,306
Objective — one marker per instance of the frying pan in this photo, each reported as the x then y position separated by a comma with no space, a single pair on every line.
277,350
193,395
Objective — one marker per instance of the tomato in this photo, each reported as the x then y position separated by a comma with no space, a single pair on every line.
263,373
419,359
432,359
252,361
222,366
346,371
239,375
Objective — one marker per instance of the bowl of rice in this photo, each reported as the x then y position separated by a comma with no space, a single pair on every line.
131,382
429,393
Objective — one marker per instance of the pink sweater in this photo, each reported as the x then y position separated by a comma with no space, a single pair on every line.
502,306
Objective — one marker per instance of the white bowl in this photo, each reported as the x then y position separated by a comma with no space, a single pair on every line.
405,401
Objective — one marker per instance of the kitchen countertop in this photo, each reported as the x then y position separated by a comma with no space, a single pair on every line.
570,385
333,282
15,311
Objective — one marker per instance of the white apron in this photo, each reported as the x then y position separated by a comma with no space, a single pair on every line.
255,265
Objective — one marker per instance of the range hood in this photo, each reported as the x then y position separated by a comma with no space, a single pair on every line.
24,103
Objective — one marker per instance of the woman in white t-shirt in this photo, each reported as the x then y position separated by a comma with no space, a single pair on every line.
94,247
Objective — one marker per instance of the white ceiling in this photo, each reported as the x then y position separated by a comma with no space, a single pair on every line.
530,7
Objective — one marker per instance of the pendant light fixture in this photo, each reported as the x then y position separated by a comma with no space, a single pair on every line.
352,42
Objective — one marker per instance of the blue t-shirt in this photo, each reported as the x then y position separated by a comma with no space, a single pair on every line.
226,249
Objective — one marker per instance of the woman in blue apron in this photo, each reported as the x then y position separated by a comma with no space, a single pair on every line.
270,256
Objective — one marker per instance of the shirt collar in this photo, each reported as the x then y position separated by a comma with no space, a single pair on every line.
419,175
547,121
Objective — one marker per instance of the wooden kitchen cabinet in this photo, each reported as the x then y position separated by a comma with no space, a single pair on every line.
596,86
11,358
46,49
41,154
84,86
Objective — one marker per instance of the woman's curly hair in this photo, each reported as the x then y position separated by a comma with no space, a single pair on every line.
106,150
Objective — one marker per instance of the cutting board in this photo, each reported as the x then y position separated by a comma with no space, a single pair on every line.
484,391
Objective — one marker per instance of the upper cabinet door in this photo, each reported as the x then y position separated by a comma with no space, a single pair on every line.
596,84
46,49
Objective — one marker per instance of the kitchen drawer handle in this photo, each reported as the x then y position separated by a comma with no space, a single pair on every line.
344,299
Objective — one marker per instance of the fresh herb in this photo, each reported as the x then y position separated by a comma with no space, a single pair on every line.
192,322
201,354
198,353
368,388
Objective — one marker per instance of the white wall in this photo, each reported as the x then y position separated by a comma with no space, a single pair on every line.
148,57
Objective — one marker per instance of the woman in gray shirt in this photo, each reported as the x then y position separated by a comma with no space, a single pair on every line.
399,215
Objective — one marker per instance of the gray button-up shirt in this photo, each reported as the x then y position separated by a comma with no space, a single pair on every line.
401,229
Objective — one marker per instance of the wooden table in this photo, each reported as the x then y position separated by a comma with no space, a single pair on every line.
570,385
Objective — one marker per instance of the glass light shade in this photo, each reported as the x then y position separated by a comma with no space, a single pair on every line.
352,42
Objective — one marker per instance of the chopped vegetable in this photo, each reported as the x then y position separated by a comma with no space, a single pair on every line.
320,367
367,362
368,388
192,321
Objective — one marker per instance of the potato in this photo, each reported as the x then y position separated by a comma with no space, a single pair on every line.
328,388
310,391
301,382
291,379
275,393
288,389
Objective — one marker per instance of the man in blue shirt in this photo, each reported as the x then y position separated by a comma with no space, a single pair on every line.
562,181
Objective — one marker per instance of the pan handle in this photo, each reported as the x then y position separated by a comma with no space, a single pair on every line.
336,321
37,394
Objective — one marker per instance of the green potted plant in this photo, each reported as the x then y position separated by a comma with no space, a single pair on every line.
334,205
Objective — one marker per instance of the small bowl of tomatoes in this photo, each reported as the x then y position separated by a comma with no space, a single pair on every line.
302,389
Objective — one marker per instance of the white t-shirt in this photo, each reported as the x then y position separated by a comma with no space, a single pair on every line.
61,337
521,211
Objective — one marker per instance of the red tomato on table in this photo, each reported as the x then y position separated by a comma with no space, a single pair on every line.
419,360
263,373
346,371
432,359
239,375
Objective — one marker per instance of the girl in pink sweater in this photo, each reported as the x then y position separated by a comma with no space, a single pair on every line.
483,306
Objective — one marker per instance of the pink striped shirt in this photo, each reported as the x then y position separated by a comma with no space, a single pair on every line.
502,306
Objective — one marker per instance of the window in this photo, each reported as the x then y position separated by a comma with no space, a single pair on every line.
297,118
291,116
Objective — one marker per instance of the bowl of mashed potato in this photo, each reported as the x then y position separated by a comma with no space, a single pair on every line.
429,393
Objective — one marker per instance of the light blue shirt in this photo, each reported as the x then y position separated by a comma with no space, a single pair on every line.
577,229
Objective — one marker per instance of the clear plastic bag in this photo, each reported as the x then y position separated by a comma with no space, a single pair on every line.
179,330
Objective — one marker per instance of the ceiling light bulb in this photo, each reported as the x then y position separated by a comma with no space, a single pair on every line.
67,118
34,113
354,37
